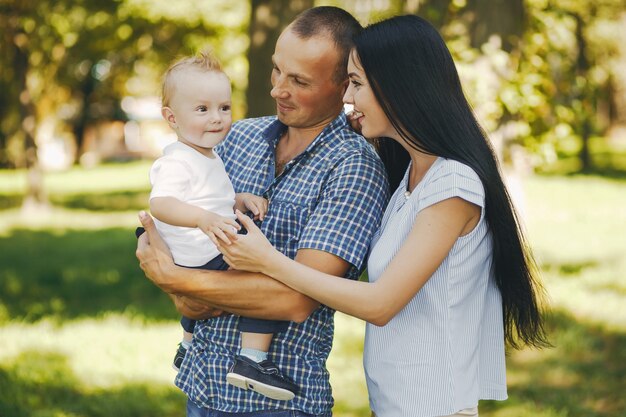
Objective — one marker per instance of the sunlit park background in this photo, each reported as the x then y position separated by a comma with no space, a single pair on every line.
84,334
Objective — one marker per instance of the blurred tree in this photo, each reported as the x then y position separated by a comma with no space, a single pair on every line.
68,64
504,18
268,18
545,76
564,72
542,73
18,110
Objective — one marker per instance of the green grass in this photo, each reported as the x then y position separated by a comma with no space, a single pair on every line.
111,187
84,334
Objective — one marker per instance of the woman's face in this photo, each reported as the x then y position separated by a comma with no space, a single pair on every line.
370,115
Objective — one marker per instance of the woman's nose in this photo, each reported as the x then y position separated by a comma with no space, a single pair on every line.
348,97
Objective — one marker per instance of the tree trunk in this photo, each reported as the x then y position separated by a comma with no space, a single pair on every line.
88,86
36,198
267,20
584,95
505,18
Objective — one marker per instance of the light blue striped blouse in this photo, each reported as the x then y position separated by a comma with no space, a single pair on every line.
445,350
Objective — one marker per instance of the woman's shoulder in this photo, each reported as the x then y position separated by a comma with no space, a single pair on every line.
452,174
451,167
451,178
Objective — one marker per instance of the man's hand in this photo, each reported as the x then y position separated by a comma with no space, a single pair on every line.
156,261
196,310
154,256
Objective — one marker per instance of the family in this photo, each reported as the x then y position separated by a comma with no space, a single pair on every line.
262,228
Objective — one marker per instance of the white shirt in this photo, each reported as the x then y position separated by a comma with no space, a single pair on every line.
445,349
189,176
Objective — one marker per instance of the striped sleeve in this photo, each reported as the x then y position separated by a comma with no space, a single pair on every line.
453,179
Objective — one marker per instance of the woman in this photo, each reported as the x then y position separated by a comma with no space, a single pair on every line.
450,277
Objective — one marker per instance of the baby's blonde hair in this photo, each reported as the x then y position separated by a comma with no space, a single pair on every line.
203,61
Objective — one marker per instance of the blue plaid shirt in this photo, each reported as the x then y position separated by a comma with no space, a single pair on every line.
330,198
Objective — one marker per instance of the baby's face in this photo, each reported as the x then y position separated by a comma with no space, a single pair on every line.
201,107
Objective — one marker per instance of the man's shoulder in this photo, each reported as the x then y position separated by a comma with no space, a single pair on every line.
255,124
345,143
244,132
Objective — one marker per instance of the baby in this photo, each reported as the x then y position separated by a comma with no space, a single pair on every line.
193,200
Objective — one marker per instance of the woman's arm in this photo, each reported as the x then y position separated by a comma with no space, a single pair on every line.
434,232
202,293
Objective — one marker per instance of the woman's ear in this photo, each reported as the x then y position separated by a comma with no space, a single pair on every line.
169,117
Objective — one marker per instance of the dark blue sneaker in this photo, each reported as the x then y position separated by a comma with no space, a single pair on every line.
178,358
264,378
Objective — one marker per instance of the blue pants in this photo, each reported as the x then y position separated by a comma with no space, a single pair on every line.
194,411
246,324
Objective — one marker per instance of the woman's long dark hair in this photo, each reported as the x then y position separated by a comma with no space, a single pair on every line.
415,81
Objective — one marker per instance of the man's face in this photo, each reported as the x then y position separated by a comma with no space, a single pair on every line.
303,82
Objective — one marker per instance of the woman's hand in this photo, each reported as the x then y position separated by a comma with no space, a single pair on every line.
251,252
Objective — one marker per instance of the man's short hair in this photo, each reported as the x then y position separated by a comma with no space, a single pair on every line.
334,22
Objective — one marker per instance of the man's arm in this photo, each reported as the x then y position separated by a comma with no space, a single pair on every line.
247,294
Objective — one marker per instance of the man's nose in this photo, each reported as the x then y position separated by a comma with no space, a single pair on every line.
278,88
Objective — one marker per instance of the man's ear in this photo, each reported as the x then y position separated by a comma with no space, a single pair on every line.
169,117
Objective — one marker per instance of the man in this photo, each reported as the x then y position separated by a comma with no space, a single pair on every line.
326,189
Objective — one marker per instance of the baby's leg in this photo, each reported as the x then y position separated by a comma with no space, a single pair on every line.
252,369
185,344
255,345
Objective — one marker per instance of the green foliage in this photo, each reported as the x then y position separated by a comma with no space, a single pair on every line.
550,93
83,57
550,88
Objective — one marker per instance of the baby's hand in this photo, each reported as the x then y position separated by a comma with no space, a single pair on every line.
250,202
216,226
